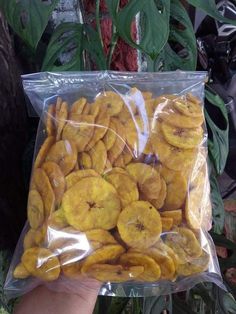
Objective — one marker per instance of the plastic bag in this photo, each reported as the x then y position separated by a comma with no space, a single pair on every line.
119,194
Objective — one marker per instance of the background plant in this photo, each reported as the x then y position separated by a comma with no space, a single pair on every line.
165,28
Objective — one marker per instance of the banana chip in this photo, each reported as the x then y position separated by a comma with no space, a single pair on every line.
29,239
84,161
125,187
78,106
98,156
61,117
76,176
139,225
99,238
41,263
114,273
50,120
43,186
197,265
182,137
147,178
152,271
20,272
107,253
160,200
189,107
176,188
91,203
57,220
184,243
109,101
43,152
167,223
35,209
79,130
56,179
110,136
64,154
117,148
176,215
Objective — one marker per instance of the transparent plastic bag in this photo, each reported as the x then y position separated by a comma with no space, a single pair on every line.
119,194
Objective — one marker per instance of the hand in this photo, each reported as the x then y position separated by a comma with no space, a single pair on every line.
79,299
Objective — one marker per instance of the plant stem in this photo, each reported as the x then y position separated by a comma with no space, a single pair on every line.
150,64
114,38
97,17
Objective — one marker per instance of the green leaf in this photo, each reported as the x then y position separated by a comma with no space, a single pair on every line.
154,24
218,140
92,44
156,305
209,7
218,212
66,37
117,305
181,33
28,18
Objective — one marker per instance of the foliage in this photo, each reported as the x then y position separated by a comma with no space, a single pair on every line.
168,42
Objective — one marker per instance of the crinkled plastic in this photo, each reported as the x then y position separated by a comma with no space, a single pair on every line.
119,194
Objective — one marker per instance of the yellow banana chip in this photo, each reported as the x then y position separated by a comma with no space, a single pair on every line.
50,120
125,187
64,154
114,273
110,136
79,130
147,178
76,176
29,239
176,215
166,250
35,209
41,263
78,106
61,117
84,161
98,156
152,271
92,203
20,272
167,223
57,220
139,224
43,186
184,243
101,124
43,152
182,137
107,253
176,188
117,148
159,201
119,162
189,108
197,265
109,101
56,179
99,238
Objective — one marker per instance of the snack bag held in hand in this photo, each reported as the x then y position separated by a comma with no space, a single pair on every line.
119,191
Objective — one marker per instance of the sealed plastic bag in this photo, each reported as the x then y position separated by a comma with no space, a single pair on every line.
119,194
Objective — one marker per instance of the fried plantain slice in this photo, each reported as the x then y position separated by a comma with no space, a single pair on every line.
78,106
84,161
125,187
50,120
76,176
176,215
43,186
29,239
90,204
184,243
98,156
152,271
64,154
160,200
117,148
139,225
20,272
105,254
35,209
79,130
176,184
147,178
61,117
110,136
44,149
41,263
189,106
101,124
109,101
56,179
182,137
99,237
114,273
197,265
57,220
167,223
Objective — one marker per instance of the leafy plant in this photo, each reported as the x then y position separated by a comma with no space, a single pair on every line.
167,41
